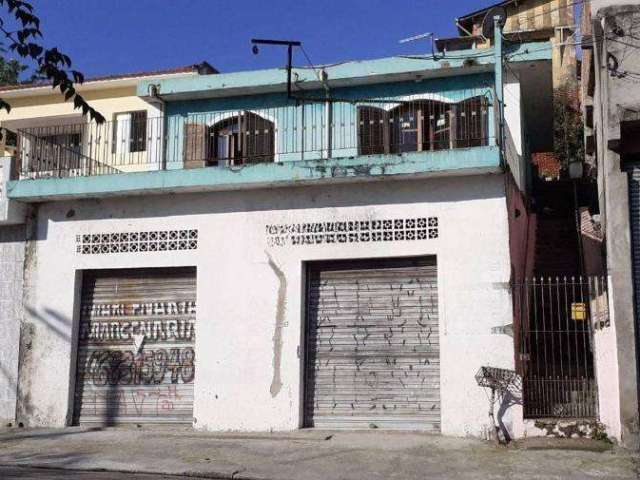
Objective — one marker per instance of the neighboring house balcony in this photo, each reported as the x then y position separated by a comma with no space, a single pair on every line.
130,143
264,142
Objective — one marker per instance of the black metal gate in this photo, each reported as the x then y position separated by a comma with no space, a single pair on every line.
556,345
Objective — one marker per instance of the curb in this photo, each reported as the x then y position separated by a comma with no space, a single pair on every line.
236,475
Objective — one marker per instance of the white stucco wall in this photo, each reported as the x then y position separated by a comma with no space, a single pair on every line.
606,363
237,290
513,151
12,249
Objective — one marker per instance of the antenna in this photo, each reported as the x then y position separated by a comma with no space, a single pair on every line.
487,23
416,37
420,37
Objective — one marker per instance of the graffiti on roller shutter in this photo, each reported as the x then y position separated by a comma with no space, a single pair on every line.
139,358
151,367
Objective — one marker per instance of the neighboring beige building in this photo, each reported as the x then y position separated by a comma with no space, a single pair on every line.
37,107
527,20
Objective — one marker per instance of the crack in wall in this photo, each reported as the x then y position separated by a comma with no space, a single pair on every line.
25,410
276,382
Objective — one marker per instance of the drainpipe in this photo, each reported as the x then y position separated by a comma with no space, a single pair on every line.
328,134
328,112
499,84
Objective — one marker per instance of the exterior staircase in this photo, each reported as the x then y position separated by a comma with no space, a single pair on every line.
557,250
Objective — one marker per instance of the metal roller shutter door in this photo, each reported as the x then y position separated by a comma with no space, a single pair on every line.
634,223
372,348
136,347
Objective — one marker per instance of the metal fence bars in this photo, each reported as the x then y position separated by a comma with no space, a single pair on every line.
556,345
306,130
130,143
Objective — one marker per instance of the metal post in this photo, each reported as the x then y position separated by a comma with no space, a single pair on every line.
499,83
289,67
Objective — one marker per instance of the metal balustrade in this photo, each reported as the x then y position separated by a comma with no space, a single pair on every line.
291,132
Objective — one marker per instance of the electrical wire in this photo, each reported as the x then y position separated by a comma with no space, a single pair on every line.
313,67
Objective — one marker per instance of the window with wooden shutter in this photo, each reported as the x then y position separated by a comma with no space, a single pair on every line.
195,145
242,139
129,132
373,131
408,127
139,131
472,122
440,137
260,139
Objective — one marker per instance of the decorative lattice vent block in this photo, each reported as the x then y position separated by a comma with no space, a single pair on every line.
135,242
353,231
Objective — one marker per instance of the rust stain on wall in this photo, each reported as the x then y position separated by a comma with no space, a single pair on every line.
276,382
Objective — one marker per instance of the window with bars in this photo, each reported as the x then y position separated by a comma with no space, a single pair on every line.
422,125
130,132
236,140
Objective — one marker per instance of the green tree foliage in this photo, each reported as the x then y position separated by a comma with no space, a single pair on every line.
10,70
50,63
568,127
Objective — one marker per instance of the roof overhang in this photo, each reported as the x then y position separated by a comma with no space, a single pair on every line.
348,74
109,82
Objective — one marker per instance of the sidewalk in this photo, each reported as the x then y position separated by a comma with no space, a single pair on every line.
310,455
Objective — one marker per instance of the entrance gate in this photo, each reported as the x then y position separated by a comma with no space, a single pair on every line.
558,318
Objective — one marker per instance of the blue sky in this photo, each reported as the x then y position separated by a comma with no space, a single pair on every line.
118,36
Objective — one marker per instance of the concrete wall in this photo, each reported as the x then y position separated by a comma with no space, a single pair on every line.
11,212
12,250
514,121
240,272
616,97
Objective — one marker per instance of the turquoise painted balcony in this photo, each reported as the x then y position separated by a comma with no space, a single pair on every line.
400,117
263,140
254,147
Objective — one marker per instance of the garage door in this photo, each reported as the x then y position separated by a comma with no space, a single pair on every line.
634,223
136,347
372,349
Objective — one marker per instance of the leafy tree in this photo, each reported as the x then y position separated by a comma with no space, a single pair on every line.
50,63
10,70
568,127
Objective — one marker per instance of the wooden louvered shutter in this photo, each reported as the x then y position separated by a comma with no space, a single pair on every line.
195,145
373,131
260,139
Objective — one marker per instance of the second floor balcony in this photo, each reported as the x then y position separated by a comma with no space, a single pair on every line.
308,131
260,145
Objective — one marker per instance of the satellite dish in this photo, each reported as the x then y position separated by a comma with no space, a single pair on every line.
487,23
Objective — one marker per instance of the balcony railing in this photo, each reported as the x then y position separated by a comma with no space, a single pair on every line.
87,149
307,131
